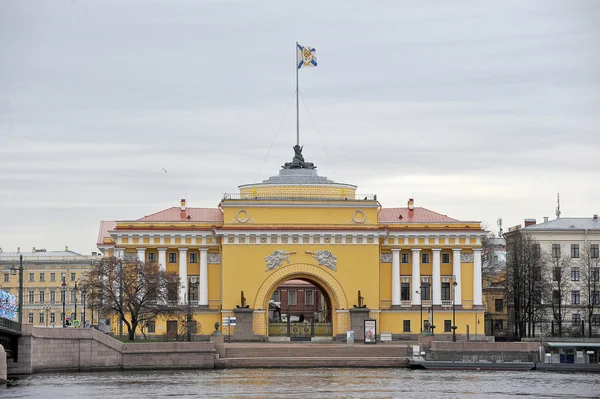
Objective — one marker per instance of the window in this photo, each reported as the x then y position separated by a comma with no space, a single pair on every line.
30,317
309,297
62,296
499,305
425,292
447,325
576,319
446,258
556,250
596,320
172,257
6,277
595,251
537,251
172,292
596,274
556,274
42,296
291,297
276,296
405,258
424,258
405,291
574,274
42,321
42,277
445,291
193,257
31,277
575,298
151,257
406,326
192,292
574,250
52,317
555,297
31,296
73,277
151,327
596,298
52,276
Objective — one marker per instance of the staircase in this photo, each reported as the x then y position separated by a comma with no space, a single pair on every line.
259,355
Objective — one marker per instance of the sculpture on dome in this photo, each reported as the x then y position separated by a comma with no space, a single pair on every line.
298,161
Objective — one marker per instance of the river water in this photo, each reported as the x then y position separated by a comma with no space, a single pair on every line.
307,383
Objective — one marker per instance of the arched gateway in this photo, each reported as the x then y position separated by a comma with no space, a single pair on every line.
320,277
406,268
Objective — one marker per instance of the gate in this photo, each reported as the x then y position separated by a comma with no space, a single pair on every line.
300,331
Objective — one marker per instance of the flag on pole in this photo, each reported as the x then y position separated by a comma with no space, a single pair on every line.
306,56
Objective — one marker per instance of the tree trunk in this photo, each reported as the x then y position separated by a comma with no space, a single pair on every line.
132,329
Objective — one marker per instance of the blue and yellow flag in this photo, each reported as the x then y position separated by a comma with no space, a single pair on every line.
306,56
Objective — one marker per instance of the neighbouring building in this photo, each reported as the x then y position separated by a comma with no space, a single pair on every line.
572,243
403,267
43,273
300,300
494,287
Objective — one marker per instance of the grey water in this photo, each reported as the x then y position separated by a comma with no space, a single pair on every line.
307,383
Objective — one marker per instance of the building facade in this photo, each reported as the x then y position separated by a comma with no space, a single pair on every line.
398,266
43,273
573,244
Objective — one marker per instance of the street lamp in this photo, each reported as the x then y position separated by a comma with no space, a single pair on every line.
454,284
83,297
47,309
75,292
63,294
13,271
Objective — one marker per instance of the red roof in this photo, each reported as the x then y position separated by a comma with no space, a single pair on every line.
418,215
175,214
105,226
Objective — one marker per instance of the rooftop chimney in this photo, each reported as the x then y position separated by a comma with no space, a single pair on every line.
529,222
595,218
183,204
411,204
0,250
33,249
545,219
66,248
18,249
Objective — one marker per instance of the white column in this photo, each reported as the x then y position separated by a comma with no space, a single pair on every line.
162,259
119,253
395,277
437,281
416,277
203,277
141,253
477,286
456,273
183,276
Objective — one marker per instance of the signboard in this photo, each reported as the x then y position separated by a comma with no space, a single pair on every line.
75,323
350,337
227,321
370,331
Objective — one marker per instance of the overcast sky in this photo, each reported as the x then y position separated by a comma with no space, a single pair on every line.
478,109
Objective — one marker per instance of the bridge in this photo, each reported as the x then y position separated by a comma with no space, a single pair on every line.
10,331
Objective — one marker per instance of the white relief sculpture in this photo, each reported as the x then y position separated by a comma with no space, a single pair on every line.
213,258
325,258
466,258
277,258
386,258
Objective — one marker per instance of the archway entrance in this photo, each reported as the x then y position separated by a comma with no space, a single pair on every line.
317,296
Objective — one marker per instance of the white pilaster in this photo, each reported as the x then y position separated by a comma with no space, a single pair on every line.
119,253
203,277
416,277
456,273
477,283
141,253
436,277
183,288
395,277
162,259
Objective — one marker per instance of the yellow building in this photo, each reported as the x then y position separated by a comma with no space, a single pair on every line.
43,273
408,265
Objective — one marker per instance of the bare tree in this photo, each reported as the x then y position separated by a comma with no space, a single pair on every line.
558,283
524,283
589,264
133,290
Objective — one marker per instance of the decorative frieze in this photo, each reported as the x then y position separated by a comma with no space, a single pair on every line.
213,258
466,258
385,258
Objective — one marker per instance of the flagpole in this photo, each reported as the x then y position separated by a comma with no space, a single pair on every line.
297,104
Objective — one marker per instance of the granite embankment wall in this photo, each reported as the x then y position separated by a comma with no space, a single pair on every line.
84,349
